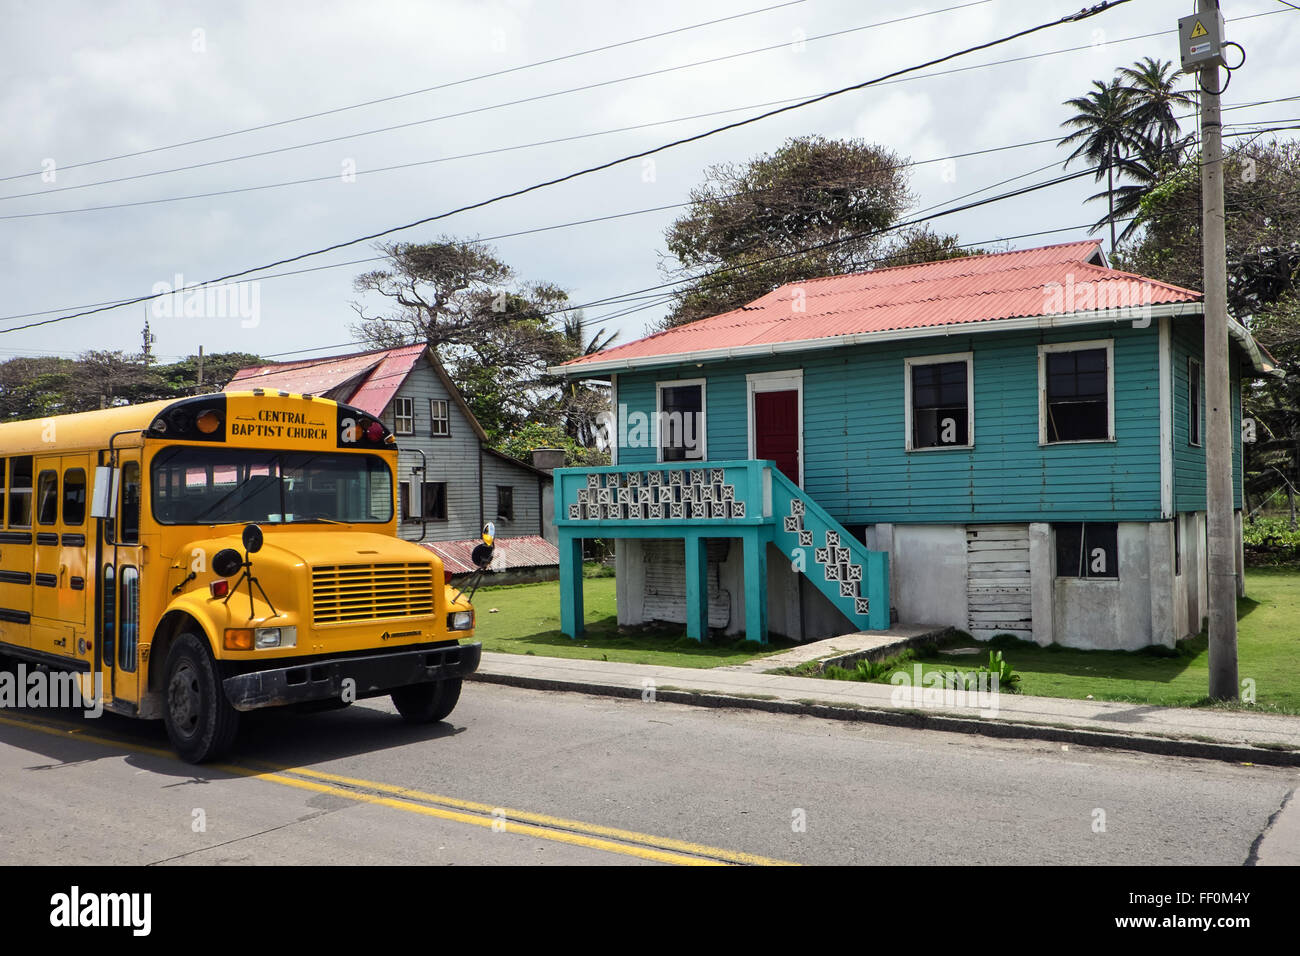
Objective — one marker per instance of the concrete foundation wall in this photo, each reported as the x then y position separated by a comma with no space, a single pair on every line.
1147,603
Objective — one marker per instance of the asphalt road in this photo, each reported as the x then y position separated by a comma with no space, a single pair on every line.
534,777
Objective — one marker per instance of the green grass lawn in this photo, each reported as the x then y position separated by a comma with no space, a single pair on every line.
1268,651
527,621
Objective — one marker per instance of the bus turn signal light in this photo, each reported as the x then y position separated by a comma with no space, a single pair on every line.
208,422
239,639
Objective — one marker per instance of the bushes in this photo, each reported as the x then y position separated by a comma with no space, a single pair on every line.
1271,541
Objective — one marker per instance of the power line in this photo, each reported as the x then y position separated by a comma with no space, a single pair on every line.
1105,6
427,89
784,44
336,177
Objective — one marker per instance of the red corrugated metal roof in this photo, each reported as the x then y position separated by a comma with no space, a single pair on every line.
525,551
377,376
987,288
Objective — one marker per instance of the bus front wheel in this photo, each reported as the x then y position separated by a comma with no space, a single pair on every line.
200,721
427,703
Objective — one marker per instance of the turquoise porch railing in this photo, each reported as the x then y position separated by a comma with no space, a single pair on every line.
695,501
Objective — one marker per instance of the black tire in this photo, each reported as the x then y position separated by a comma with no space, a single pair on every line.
200,721
427,703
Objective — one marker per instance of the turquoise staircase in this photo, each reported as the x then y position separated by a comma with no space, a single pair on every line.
695,501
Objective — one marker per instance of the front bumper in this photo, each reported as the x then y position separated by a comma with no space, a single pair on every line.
374,675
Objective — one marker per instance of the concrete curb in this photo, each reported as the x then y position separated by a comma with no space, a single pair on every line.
920,720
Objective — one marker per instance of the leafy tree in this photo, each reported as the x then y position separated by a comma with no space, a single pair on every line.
1128,130
495,335
582,403
1262,227
1102,135
811,191
520,444
922,244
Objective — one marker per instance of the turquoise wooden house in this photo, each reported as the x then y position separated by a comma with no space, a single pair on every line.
1000,443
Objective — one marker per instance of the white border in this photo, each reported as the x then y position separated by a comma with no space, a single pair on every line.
410,401
1166,367
756,382
908,363
703,383
1109,346
447,418
618,425
1194,414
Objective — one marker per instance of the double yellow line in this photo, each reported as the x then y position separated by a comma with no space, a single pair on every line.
500,819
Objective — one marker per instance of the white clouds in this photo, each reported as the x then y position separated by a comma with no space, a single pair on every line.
88,80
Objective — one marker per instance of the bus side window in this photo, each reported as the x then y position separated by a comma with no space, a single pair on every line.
110,613
74,496
47,498
20,492
3,489
130,604
129,511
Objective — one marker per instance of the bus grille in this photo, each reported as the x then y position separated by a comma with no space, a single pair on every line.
364,592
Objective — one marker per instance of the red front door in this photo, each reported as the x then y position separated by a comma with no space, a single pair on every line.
776,430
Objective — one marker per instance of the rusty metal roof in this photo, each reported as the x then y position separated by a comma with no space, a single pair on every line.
524,551
367,380
1063,279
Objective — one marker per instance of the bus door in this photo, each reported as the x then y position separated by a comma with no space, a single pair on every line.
16,551
50,633
118,606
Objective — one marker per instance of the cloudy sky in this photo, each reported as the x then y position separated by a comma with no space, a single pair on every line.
86,82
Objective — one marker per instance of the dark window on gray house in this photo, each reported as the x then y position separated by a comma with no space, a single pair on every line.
1087,550
1077,396
506,502
435,500
404,500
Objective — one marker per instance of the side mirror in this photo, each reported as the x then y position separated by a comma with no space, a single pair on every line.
482,553
227,562
252,538
103,500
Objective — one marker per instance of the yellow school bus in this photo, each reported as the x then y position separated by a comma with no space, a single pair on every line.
222,553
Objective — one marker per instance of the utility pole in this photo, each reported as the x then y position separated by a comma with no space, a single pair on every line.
1201,42
200,388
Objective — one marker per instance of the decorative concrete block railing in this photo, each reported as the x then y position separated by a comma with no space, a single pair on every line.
750,500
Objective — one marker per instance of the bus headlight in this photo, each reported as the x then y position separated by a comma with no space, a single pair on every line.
268,637
460,620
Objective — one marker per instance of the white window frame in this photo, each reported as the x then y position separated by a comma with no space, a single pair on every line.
1043,352
445,418
398,417
755,382
1194,409
703,383
908,365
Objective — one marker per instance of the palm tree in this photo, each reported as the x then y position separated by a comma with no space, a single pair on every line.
1102,134
582,402
1152,98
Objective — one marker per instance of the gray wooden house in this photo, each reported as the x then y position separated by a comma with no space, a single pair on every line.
450,481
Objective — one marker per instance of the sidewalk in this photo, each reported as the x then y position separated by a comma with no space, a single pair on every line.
1189,732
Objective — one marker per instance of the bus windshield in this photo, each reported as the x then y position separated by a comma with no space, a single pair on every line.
241,485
